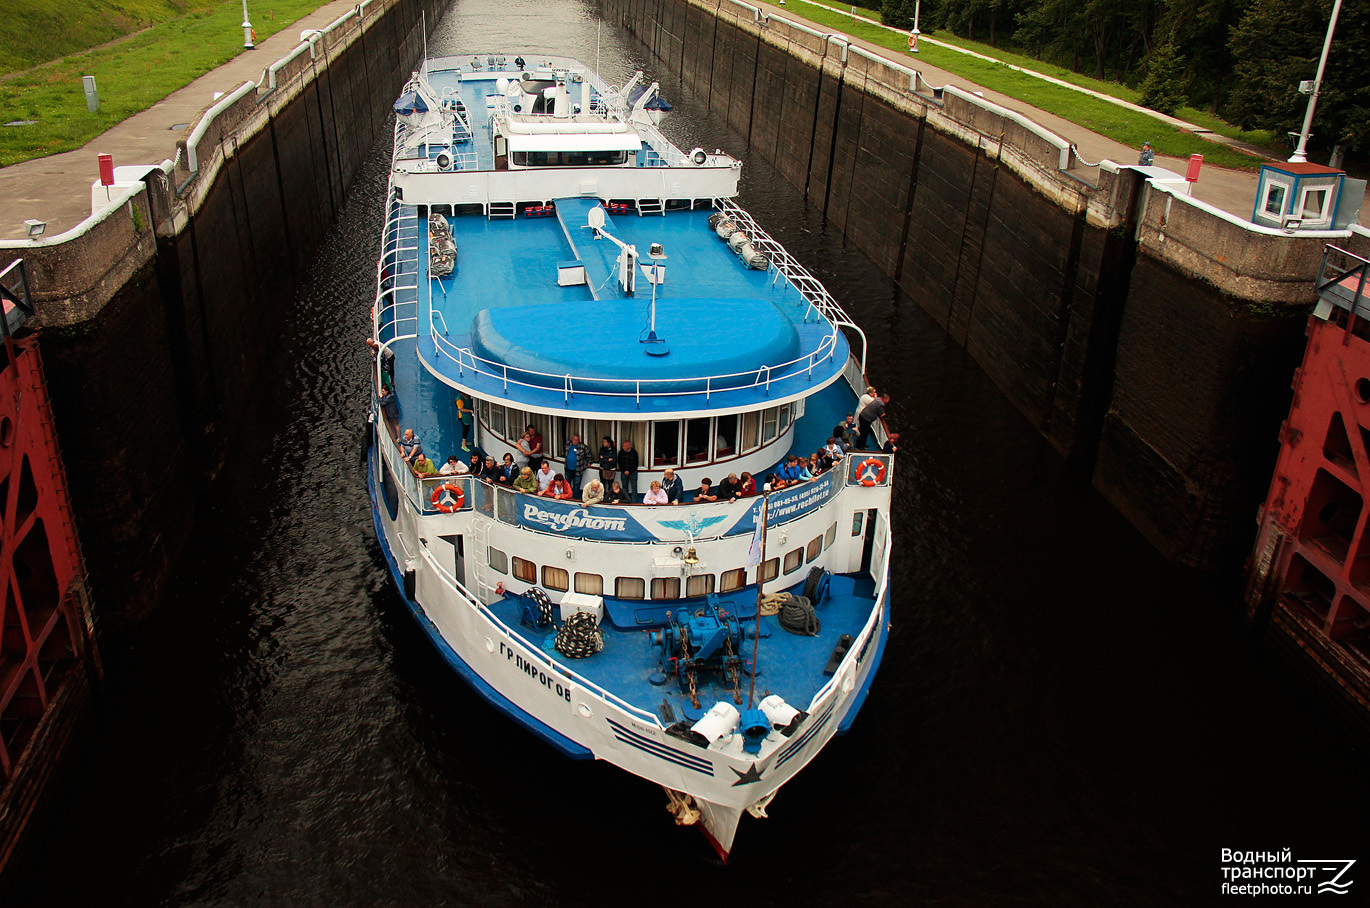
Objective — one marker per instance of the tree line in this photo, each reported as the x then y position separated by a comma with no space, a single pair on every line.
1240,59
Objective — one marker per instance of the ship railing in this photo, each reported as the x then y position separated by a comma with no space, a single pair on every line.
847,667
1342,279
586,685
396,310
799,277
708,385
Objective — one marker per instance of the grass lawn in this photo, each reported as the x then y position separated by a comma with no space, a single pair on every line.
1115,122
132,73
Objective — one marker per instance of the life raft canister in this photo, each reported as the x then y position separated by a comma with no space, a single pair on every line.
864,473
455,504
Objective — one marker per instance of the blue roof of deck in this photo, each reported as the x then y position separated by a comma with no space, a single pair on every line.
718,318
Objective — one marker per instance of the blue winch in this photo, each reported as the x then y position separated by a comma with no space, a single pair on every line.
709,640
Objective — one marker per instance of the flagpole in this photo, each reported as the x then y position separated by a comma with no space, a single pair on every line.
760,582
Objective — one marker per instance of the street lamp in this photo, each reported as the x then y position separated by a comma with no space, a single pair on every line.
913,35
1299,155
248,36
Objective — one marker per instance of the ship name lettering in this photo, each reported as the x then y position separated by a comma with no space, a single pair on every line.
575,520
536,672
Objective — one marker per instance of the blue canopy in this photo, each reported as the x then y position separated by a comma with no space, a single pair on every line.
411,102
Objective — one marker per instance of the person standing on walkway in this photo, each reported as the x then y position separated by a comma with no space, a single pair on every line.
577,459
627,467
1147,157
608,461
464,417
873,411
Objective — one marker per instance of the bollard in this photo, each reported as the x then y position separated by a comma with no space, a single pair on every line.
92,94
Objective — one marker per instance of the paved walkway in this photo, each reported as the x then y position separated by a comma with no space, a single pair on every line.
56,189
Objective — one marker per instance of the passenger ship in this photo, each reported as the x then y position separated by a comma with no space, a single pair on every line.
552,260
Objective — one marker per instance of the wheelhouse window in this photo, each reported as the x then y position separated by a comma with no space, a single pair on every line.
666,444
1313,204
1275,196
725,442
569,158
697,440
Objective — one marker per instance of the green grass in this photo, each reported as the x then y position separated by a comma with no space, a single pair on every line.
131,74
38,31
1107,119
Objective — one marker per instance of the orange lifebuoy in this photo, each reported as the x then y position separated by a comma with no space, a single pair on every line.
866,478
913,41
458,498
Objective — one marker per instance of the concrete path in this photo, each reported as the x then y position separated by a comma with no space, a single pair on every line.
56,189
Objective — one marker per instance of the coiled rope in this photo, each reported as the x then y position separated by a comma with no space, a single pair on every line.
579,637
798,617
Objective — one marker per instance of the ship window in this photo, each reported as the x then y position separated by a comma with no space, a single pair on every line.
514,423
569,158
856,522
556,445
1314,204
770,570
665,587
784,418
815,547
830,536
498,560
793,560
751,431
733,580
589,584
666,444
699,585
1275,194
697,441
595,432
495,420
555,578
725,442
769,422
525,570
629,587
637,432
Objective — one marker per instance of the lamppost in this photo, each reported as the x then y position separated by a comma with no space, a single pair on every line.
1299,155
249,43
913,35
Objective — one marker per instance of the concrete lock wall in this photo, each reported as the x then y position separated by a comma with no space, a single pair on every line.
1149,337
158,311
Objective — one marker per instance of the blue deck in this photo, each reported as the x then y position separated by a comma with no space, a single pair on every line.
791,664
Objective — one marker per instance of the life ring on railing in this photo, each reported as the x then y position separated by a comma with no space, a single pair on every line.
864,475
913,41
457,501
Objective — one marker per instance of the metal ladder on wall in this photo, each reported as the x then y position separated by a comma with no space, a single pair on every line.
500,210
650,206
480,559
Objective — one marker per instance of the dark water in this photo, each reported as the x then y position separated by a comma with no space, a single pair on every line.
1062,718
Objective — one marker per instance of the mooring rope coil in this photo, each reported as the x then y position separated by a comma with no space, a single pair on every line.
579,637
797,616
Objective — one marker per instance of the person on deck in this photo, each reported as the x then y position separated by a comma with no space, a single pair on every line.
874,411
627,467
453,467
608,461
870,395
490,470
476,466
892,445
525,482
748,485
594,493
655,495
545,476
673,487
577,459
845,433
706,493
387,358
614,494
507,472
530,446
464,417
410,446
559,488
730,488
390,409
834,449
423,466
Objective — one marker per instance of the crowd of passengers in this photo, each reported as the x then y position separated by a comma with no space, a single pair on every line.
618,465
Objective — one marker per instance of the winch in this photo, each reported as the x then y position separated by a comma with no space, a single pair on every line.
709,640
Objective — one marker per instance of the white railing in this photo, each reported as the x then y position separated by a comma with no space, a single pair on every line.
761,377
586,685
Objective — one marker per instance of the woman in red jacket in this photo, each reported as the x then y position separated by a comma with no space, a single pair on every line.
559,489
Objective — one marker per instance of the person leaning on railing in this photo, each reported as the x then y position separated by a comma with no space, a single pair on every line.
594,492
526,482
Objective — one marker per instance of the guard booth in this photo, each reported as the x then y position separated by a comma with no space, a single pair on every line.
1305,197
